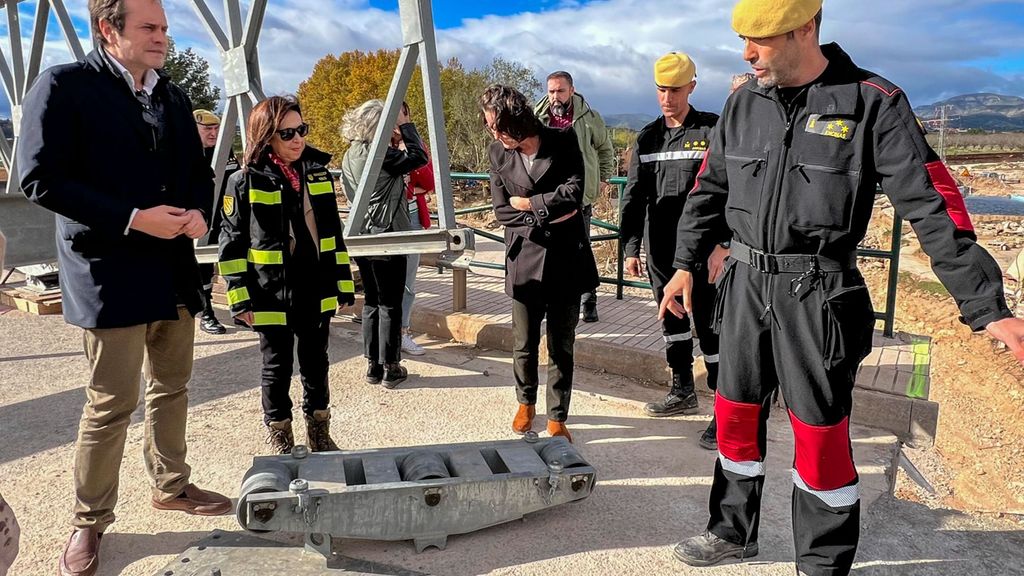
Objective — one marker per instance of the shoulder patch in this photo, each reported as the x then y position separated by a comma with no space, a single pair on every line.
229,205
890,93
318,176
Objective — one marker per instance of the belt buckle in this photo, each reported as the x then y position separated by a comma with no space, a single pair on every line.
764,263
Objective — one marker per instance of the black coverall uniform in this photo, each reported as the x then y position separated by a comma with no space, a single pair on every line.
791,177
662,170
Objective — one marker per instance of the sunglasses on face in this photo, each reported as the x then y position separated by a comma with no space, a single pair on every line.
289,133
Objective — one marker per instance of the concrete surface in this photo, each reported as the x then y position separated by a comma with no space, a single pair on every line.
651,493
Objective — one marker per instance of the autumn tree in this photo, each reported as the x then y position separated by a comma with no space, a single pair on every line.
191,72
340,83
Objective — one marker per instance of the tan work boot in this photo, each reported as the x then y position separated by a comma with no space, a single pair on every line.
318,431
279,436
559,429
523,421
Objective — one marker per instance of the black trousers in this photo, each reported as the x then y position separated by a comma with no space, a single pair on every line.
206,275
678,332
278,344
562,318
810,345
383,287
588,215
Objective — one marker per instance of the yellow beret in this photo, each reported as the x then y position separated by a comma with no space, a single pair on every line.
767,18
205,117
673,70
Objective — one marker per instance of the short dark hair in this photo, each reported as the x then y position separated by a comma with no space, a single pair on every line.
817,24
513,114
561,74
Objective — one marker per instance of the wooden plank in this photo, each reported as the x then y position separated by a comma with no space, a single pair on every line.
381,469
38,306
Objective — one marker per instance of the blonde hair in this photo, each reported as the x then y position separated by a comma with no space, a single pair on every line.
360,123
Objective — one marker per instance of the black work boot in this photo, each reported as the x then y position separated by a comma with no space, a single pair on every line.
590,309
374,372
318,431
394,374
279,436
681,399
708,549
208,320
709,439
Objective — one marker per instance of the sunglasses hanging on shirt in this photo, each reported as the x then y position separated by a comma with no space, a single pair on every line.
289,133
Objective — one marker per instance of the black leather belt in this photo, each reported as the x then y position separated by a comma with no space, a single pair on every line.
788,263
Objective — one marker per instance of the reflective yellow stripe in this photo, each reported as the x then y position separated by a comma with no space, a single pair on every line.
264,197
342,257
232,267
317,188
329,304
238,295
266,256
346,286
328,244
269,319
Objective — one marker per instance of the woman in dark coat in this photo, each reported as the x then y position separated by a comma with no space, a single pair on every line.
537,191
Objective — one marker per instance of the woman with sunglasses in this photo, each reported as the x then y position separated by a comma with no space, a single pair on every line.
286,266
388,211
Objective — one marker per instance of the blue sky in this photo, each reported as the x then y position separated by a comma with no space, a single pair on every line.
933,49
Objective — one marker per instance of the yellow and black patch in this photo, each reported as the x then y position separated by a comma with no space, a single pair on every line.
698,145
318,176
229,205
841,128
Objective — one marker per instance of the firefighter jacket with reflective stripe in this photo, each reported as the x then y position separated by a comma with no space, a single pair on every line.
255,240
662,169
796,173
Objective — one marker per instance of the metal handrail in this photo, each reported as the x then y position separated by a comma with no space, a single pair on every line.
888,315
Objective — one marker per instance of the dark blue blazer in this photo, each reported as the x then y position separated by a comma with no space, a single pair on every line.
87,154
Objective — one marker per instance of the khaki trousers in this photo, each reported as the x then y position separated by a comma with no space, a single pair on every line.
162,351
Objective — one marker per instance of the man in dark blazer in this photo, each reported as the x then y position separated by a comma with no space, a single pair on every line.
537,191
110,145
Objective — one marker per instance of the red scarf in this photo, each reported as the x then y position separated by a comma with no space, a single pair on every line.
290,173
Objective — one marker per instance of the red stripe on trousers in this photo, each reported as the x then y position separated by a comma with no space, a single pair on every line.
738,425
946,186
823,457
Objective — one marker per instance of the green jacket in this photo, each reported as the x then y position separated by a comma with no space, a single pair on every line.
595,143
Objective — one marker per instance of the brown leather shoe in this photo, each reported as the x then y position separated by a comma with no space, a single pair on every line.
559,429
523,421
193,500
81,555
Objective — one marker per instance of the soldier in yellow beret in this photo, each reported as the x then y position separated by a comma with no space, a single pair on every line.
208,125
662,169
790,177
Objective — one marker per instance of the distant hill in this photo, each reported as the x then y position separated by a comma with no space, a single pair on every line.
631,121
984,111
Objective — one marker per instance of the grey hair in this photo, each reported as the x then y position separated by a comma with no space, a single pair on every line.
360,123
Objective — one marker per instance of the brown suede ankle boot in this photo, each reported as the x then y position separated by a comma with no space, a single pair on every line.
318,431
523,421
559,429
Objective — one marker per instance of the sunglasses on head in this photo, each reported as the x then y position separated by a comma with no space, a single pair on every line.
289,133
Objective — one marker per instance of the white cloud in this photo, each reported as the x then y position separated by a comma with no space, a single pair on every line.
926,46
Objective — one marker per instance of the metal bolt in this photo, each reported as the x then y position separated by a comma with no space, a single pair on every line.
300,451
298,485
531,437
555,465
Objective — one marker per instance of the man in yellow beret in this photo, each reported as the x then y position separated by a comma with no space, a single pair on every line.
790,176
208,125
662,169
